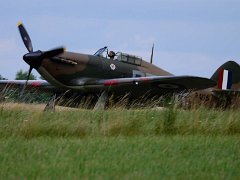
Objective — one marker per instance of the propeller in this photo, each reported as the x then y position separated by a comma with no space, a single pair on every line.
35,58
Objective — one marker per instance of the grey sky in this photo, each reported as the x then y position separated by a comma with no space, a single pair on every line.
191,37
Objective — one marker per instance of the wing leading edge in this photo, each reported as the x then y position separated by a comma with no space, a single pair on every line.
40,85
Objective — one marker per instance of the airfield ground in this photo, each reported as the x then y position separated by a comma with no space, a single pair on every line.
118,143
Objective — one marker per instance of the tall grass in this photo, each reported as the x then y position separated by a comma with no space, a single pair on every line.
29,121
139,117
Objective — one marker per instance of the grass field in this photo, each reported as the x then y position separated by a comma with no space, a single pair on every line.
118,143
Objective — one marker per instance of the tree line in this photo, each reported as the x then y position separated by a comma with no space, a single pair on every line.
21,75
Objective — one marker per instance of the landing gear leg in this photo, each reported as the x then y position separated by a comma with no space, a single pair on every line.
102,100
51,104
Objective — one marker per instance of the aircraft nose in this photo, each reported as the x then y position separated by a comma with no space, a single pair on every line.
33,59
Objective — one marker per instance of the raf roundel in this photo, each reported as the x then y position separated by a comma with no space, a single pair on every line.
112,66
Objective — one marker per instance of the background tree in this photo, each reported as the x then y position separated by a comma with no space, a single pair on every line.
22,75
2,78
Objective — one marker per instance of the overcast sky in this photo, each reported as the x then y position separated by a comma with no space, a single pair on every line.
192,37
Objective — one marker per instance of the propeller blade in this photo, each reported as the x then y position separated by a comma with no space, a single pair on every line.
25,37
25,85
53,52
29,73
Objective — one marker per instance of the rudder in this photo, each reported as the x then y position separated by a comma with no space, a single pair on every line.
227,75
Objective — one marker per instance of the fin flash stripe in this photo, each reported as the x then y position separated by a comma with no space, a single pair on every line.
224,79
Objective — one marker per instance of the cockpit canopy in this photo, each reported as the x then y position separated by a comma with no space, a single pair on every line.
119,56
127,58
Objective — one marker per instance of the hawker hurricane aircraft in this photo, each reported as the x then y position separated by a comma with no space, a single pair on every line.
101,74
224,95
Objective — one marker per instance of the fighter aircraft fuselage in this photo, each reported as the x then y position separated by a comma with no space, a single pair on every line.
75,69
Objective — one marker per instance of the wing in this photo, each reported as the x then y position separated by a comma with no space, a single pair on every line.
40,85
156,84
140,85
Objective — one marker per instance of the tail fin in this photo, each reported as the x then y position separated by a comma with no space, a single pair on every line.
227,76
